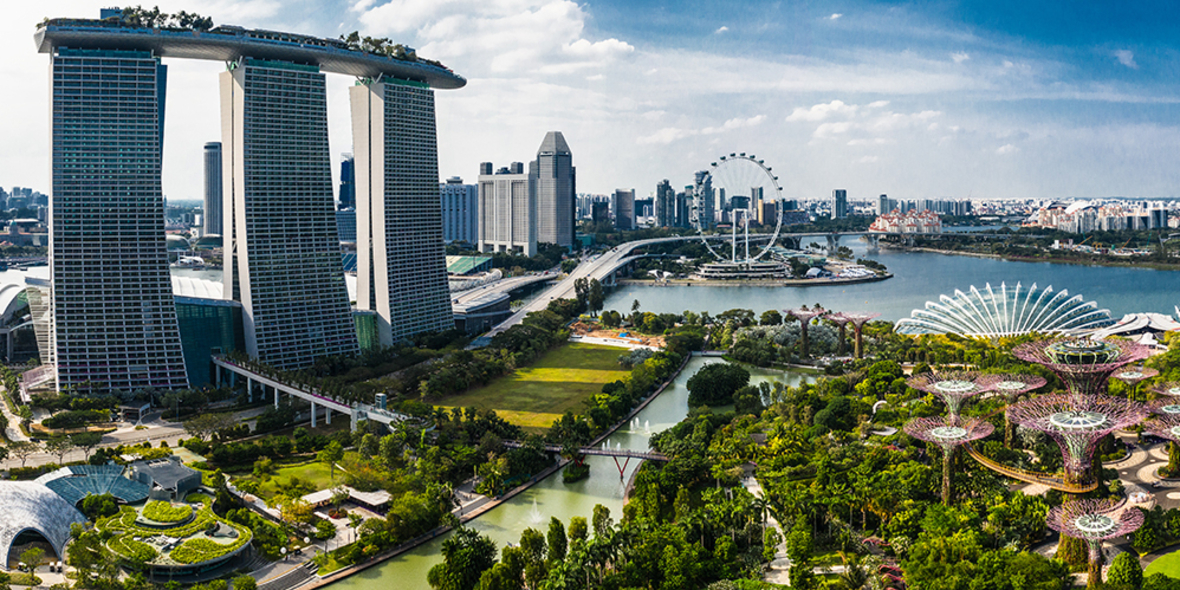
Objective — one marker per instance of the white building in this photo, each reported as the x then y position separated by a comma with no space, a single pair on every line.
460,211
507,210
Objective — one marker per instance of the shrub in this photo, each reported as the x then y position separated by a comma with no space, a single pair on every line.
161,511
76,418
200,550
132,550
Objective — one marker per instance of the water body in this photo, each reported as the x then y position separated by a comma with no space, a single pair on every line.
551,497
920,277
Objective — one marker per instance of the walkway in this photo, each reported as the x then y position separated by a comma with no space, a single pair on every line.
1051,480
12,432
780,567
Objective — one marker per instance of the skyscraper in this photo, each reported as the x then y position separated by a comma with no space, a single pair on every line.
401,262
507,210
213,197
114,317
839,203
460,211
665,204
623,204
706,203
347,192
282,251
556,187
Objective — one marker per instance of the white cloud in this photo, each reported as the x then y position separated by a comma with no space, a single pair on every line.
670,134
960,57
721,30
835,16
820,112
1007,149
1127,58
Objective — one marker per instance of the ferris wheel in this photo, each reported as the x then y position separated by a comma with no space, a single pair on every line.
745,186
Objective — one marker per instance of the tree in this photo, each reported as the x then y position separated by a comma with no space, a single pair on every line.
466,555
1125,570
715,384
32,558
86,441
331,454
60,446
595,296
23,449
771,317
204,426
557,540
578,529
298,511
244,582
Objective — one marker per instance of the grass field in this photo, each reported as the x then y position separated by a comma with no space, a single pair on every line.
314,473
1168,564
535,396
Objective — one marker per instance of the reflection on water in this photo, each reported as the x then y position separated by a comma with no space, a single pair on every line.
552,497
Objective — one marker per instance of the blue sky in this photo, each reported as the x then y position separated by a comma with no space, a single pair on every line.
924,99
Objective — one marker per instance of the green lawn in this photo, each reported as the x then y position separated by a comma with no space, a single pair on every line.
314,473
1168,564
535,396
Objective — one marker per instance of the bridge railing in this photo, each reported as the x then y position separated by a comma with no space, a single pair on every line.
1055,481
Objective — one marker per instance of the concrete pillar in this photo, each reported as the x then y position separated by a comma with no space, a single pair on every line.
328,415
249,390
313,411
355,420
276,397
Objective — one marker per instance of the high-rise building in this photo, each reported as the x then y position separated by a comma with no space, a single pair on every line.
114,317
757,196
623,204
213,196
599,212
347,192
665,204
507,210
706,203
684,202
401,262
282,249
460,211
346,225
839,203
555,190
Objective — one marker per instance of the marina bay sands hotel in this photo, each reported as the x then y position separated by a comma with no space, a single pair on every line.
113,316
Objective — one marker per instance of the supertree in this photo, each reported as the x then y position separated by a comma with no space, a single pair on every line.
1132,376
1170,388
1166,425
1012,387
841,322
805,316
1077,423
858,319
1094,521
1083,365
954,387
950,436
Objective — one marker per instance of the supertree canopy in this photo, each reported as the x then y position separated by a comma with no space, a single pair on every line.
1084,365
948,435
841,322
1171,388
1166,425
1094,521
1077,423
805,316
858,319
1011,387
954,387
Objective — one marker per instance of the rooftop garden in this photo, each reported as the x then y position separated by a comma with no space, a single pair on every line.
159,533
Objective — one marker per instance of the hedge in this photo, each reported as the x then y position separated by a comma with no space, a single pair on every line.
132,549
76,418
161,511
201,550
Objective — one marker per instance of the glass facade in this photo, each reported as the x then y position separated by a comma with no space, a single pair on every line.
114,319
208,327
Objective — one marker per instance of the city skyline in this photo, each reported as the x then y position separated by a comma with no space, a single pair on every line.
981,101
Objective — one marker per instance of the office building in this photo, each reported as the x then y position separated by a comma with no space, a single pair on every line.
599,212
213,196
401,262
282,251
705,200
623,205
665,204
507,210
839,203
460,211
346,195
555,189
346,225
114,319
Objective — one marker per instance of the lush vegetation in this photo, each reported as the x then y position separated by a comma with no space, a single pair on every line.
200,550
714,385
165,512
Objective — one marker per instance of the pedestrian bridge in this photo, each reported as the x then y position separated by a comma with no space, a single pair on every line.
356,411
1056,481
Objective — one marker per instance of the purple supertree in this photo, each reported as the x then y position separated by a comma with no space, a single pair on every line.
1170,388
1132,376
1012,387
1083,365
950,436
858,319
1077,423
805,316
1166,425
841,322
1094,521
954,387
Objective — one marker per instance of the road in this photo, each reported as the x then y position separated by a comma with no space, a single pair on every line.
502,286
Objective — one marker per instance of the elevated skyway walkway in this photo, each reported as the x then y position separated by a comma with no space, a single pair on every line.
356,411
1055,481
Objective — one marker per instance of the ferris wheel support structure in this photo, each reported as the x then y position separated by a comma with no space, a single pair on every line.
741,172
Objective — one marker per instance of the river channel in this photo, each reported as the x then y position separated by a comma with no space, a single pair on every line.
551,497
